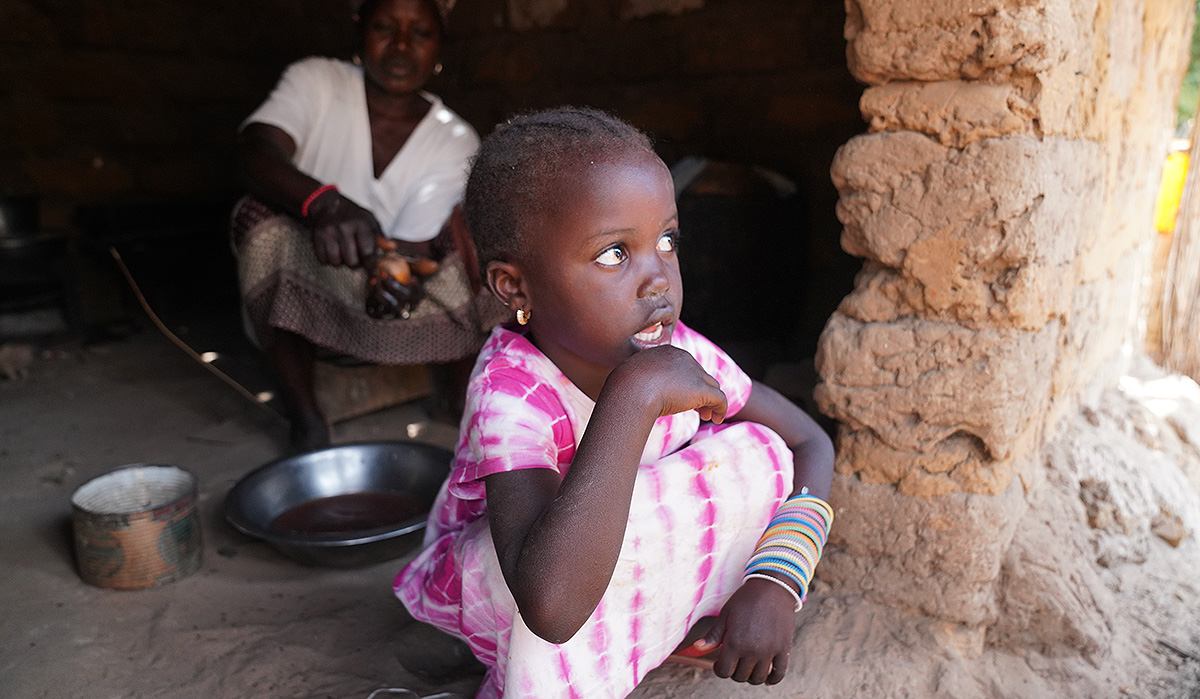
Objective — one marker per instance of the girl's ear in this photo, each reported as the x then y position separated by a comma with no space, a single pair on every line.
508,284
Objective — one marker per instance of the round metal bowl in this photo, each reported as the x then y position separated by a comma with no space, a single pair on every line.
346,506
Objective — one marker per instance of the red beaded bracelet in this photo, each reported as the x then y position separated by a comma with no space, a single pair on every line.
313,197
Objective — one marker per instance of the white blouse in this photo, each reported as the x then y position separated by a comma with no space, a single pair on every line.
321,103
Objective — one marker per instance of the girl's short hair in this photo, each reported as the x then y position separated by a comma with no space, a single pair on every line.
512,173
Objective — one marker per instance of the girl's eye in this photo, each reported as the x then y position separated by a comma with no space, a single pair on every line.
611,257
667,243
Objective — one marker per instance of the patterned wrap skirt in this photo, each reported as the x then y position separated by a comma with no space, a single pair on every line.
284,286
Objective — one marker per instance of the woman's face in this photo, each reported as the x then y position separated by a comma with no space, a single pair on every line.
401,41
603,277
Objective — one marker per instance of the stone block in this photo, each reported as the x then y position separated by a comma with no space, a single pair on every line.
636,9
635,55
955,112
130,27
83,76
348,392
947,40
505,62
1121,64
83,174
808,108
1099,341
676,117
987,234
186,172
952,402
524,15
22,23
741,43
35,123
205,81
939,555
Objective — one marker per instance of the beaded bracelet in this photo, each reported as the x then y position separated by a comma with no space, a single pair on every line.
792,543
313,197
795,595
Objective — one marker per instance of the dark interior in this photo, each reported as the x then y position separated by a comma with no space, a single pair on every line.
119,121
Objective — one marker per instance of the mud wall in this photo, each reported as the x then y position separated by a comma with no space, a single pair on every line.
1002,204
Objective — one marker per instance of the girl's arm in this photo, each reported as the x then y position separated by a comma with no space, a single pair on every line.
558,541
756,625
812,449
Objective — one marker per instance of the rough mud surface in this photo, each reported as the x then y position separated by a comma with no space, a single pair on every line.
1117,484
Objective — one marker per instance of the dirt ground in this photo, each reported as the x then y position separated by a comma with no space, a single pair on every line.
251,622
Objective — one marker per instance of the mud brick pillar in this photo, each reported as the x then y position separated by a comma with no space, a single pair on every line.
1002,204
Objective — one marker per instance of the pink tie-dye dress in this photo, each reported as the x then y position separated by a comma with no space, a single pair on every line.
702,497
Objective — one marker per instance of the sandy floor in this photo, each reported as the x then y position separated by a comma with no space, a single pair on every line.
251,622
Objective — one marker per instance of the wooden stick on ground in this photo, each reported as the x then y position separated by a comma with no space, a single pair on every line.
183,345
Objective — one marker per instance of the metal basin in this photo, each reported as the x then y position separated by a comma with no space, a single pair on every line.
346,506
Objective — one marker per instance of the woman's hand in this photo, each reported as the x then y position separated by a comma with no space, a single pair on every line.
672,381
754,631
395,283
388,298
343,232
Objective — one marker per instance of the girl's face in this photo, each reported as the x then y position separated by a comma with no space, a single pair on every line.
603,279
400,45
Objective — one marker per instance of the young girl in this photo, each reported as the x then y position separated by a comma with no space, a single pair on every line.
597,507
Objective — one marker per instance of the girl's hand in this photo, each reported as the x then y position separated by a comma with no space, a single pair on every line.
754,631
343,232
671,381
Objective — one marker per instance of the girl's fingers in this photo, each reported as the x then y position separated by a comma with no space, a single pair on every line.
778,669
745,668
717,414
760,673
712,639
726,664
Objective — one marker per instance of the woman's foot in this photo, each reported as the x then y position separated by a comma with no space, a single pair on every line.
310,434
449,395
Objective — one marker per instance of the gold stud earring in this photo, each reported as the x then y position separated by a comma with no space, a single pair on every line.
522,316
356,59
437,68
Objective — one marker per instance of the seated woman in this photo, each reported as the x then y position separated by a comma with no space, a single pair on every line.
349,162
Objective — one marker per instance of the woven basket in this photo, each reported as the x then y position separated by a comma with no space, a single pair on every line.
137,527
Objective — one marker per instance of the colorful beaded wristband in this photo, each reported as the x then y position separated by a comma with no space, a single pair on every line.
792,544
313,197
